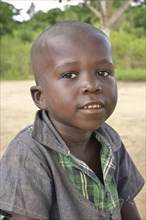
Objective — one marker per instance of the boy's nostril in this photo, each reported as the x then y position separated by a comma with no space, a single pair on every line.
92,89
86,91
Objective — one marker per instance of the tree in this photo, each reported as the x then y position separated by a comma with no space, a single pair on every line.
31,10
109,12
135,20
7,23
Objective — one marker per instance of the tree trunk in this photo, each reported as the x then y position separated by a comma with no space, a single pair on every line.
103,11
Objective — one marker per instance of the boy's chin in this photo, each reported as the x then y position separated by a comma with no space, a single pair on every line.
91,128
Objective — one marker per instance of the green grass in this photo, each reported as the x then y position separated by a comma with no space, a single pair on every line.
131,74
16,76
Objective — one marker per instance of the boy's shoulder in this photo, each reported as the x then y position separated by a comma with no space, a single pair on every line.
109,129
24,137
27,153
24,132
19,147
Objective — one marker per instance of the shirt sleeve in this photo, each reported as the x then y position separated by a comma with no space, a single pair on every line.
26,186
129,180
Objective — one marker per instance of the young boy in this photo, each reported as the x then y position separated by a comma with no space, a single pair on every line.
70,164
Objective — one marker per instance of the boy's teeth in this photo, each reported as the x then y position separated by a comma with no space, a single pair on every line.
92,106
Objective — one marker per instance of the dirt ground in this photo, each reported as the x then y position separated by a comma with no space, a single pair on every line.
17,111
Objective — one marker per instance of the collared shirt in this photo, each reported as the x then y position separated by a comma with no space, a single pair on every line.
34,184
103,196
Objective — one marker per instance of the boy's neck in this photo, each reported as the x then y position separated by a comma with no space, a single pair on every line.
78,143
82,145
74,138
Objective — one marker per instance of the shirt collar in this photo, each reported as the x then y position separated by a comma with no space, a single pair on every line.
45,133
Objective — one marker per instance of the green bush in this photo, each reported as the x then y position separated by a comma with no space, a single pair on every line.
128,50
137,74
15,62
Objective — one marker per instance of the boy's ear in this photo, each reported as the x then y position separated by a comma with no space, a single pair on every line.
37,96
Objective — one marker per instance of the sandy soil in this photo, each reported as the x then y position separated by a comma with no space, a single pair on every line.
17,111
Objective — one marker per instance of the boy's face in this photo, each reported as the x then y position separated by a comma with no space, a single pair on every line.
78,87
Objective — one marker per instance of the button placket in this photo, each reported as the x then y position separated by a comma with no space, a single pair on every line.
107,195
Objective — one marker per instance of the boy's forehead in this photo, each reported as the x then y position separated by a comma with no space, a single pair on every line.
68,46
73,30
72,39
75,38
69,29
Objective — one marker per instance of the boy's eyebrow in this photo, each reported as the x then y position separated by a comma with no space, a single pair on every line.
67,63
104,61
64,64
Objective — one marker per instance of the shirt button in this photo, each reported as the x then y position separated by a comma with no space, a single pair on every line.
107,195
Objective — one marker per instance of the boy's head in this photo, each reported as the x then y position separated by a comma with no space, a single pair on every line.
74,73
39,50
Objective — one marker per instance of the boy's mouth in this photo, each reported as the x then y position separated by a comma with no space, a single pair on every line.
94,106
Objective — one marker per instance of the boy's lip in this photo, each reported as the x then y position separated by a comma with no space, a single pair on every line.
93,105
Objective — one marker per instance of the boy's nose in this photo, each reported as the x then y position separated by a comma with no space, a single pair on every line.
91,85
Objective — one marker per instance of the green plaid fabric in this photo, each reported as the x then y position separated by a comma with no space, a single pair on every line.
104,197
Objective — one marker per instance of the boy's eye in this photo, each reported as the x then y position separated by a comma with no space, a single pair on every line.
103,73
70,75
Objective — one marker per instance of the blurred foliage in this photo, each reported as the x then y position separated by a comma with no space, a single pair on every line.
128,41
135,20
7,24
